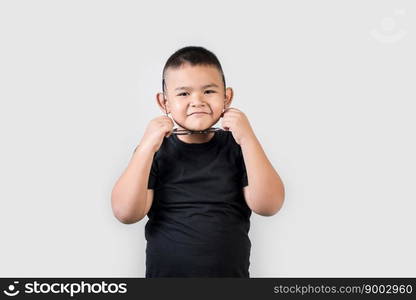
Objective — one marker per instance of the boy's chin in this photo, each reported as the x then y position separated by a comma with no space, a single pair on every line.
198,127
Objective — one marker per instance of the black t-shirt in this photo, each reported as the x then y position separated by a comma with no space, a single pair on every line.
199,221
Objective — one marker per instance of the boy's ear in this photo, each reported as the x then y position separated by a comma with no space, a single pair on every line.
229,94
162,102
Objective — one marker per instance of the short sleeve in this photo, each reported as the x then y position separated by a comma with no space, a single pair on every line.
153,172
244,179
243,174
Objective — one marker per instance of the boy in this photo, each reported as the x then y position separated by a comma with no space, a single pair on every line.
198,189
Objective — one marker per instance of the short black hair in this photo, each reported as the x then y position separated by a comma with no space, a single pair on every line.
194,55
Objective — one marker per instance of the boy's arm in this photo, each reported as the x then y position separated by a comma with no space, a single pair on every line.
265,193
130,197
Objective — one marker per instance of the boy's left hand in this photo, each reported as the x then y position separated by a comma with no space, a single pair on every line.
236,121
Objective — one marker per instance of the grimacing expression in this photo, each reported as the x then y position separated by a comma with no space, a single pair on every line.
195,95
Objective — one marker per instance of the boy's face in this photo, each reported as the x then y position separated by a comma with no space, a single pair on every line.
195,96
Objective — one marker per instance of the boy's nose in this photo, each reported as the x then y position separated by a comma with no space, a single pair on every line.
194,104
197,102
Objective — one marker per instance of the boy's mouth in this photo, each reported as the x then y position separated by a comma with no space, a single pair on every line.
199,113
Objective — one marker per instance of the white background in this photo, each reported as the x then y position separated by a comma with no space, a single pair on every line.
328,87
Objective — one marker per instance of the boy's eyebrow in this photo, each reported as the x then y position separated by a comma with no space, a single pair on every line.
189,88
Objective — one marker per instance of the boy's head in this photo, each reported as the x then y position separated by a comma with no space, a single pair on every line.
193,81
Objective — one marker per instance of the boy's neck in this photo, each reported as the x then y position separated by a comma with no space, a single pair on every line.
196,138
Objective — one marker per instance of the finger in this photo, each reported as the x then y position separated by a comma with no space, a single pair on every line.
225,111
168,121
169,133
225,125
231,112
228,118
231,109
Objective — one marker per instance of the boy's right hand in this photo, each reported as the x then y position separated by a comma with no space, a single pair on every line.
156,130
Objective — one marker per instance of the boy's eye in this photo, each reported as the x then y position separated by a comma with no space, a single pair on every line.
184,93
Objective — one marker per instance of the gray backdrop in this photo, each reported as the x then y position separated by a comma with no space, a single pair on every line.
328,87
